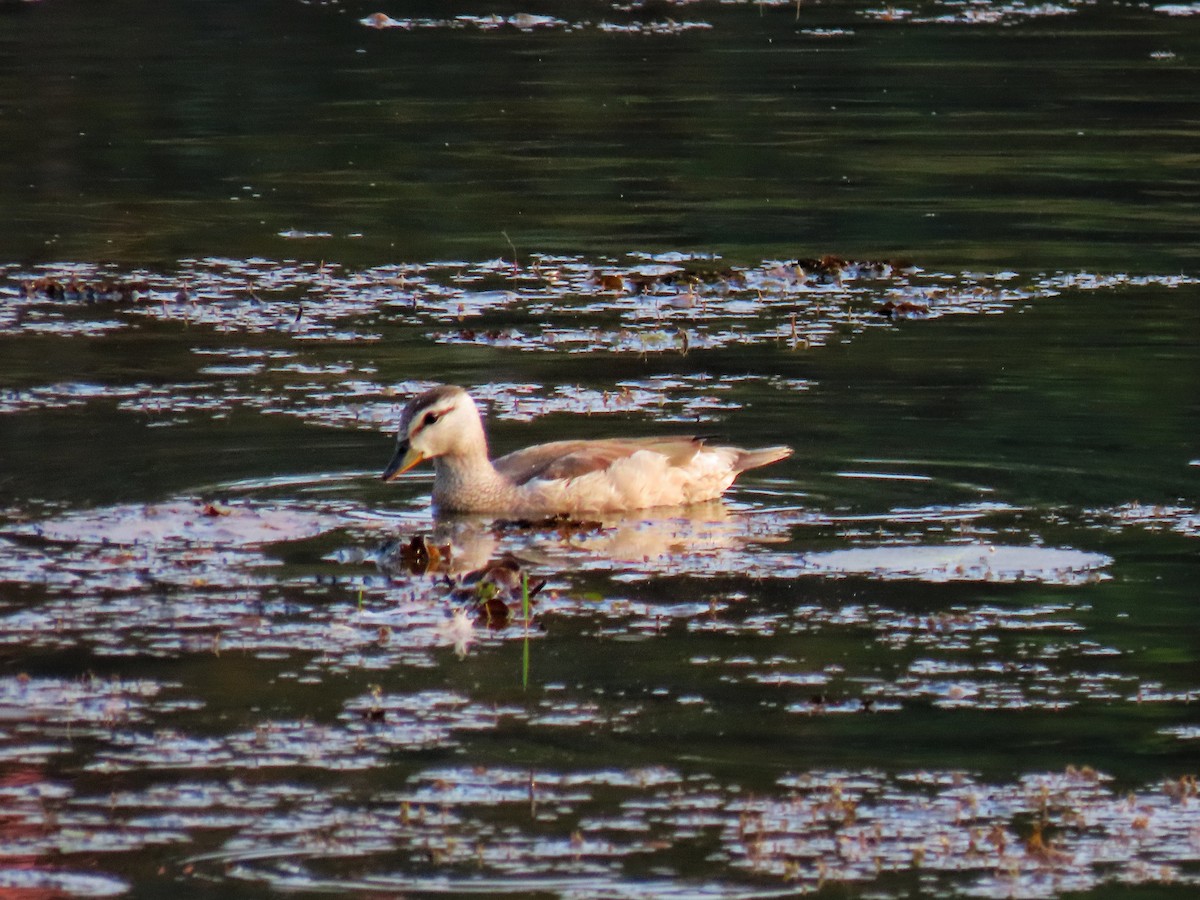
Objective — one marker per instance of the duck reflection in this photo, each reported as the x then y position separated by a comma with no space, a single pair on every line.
462,545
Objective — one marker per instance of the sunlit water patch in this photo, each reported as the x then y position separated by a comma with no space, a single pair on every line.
506,831
853,826
967,562
983,658
233,662
531,22
974,12
187,523
514,828
1183,520
1178,9
713,541
186,578
58,712
347,396
628,18
666,304
57,882
389,608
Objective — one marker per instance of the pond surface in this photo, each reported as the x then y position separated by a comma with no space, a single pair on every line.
947,251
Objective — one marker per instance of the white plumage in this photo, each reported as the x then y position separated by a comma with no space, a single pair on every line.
579,476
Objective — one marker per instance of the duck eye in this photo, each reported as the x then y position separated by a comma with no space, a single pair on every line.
430,419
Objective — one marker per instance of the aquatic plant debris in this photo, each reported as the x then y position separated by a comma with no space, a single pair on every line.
193,523
400,598
644,304
530,22
253,801
970,562
1178,9
404,733
1183,520
951,12
457,828
627,18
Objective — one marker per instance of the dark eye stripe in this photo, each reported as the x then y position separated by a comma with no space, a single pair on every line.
425,421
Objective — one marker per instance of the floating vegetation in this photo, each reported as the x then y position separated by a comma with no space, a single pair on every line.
417,556
328,396
969,562
74,289
370,726
1181,519
187,523
529,22
296,234
663,304
624,17
1178,9
490,596
465,828
849,827
441,705
827,33
452,824
251,800
1183,732
57,882
59,711
661,26
977,12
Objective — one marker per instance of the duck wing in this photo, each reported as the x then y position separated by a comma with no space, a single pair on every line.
571,459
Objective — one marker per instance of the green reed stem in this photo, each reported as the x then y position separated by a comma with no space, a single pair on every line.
525,615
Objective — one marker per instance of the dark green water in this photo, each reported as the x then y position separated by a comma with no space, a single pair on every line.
208,128
962,615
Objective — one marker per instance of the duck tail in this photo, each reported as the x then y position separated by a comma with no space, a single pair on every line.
752,459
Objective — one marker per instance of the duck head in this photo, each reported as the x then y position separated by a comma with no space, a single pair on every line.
443,421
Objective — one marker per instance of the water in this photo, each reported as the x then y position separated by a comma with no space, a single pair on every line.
763,136
948,648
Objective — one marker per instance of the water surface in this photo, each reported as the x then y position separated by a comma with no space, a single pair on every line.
946,649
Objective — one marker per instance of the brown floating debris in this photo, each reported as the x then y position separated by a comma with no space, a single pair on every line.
420,557
494,593
610,305
609,282
380,20
642,282
903,309
496,590
1041,849
73,289
562,524
827,267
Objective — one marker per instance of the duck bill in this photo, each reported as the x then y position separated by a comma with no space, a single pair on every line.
406,457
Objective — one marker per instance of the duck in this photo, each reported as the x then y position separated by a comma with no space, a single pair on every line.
569,477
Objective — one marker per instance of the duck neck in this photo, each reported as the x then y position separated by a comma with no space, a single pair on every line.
466,480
